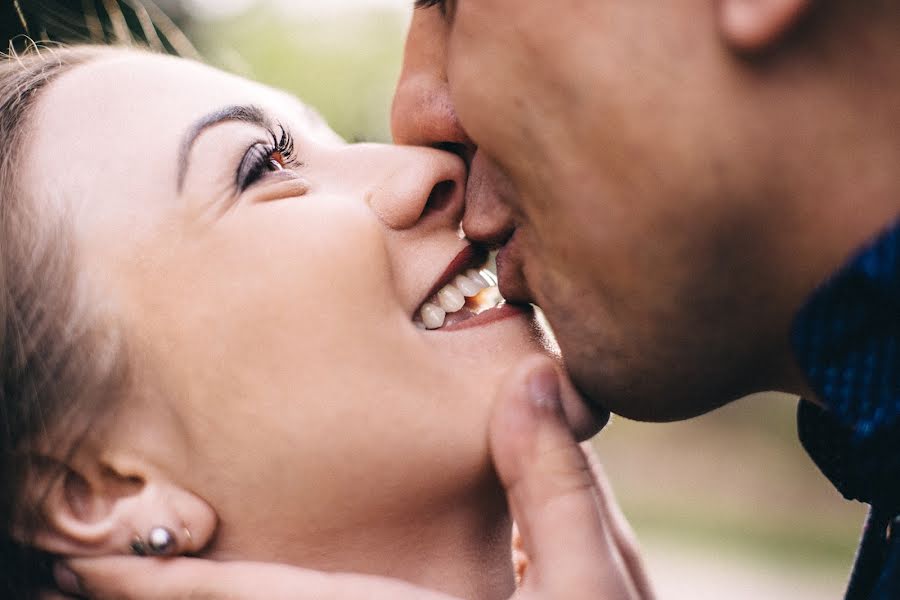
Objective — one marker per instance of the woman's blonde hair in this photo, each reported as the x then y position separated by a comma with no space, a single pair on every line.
57,369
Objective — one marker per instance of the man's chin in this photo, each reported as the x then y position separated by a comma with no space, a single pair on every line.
585,416
677,403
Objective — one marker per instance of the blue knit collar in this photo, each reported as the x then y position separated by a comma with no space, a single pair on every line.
847,341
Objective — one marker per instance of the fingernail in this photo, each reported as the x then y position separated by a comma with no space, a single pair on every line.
66,579
543,389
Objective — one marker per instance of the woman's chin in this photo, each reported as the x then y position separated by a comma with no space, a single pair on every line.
504,336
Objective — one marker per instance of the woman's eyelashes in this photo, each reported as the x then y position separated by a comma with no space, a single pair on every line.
261,158
442,4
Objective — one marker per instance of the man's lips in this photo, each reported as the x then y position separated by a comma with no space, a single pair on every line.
513,285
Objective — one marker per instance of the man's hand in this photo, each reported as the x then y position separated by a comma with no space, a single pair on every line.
578,544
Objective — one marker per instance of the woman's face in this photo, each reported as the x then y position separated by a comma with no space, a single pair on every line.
271,297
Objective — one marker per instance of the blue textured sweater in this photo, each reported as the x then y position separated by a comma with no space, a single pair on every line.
847,341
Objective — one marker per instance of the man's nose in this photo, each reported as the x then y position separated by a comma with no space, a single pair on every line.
422,112
423,115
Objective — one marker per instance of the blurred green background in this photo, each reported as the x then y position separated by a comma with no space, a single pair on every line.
727,505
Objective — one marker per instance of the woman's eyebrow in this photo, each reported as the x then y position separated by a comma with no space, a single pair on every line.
247,114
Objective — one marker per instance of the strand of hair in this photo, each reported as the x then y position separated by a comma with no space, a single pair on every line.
92,21
120,27
18,6
171,32
147,24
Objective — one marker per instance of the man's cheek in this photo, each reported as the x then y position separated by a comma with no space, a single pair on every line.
478,106
487,109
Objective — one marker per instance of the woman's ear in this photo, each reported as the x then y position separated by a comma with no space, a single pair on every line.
755,25
101,507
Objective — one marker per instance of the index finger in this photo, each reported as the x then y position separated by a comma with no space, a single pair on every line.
127,578
551,491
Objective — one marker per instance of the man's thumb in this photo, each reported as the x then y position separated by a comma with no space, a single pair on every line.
551,489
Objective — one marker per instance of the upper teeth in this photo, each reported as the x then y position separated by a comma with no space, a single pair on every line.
469,286
452,297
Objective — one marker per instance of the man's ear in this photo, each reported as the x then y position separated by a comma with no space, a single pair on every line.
95,508
755,25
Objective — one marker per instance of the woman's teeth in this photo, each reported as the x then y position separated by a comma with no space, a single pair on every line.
469,287
478,279
453,298
432,315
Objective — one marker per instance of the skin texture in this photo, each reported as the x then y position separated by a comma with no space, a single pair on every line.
281,387
675,180
679,177
578,544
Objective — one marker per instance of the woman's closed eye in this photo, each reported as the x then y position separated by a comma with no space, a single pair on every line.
263,158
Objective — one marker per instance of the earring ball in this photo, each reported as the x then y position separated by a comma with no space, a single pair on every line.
161,541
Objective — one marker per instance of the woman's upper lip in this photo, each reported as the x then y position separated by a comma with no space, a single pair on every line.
470,257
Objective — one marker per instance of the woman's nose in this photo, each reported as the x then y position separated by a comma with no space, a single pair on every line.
417,187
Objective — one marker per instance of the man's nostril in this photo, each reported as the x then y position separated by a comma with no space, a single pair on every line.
441,196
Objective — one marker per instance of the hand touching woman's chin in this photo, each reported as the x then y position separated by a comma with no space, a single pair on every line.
250,338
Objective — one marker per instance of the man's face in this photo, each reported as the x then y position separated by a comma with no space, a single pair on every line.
612,153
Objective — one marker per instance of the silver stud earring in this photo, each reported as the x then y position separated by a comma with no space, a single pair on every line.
160,542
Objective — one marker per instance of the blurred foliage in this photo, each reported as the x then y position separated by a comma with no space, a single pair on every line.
735,479
141,22
345,65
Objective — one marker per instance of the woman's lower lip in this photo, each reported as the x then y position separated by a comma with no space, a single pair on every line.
493,315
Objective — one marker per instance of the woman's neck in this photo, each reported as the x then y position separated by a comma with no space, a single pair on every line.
465,552
461,548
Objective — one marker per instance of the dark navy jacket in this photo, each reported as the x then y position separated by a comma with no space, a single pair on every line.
847,341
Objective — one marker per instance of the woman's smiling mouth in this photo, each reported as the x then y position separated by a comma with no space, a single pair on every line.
465,290
469,294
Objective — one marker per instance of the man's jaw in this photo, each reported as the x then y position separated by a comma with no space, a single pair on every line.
585,415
